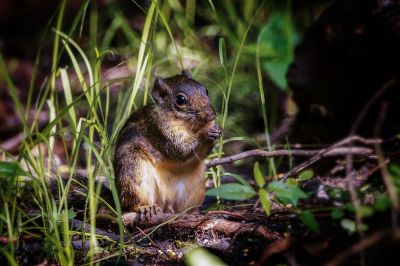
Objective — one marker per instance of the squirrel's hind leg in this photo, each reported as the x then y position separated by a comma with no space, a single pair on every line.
139,189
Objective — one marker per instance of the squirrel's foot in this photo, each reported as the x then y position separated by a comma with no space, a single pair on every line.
140,215
146,212
214,132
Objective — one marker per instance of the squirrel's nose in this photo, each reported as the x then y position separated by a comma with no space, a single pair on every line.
210,116
207,115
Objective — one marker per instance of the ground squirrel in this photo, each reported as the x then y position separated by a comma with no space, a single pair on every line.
160,151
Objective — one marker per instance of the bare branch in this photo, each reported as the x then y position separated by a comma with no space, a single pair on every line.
322,153
298,153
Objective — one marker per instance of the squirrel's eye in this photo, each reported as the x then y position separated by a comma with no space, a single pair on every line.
180,99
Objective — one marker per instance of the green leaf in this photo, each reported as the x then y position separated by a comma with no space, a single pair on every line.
395,169
395,174
265,201
11,169
258,176
382,203
336,193
337,213
287,192
277,70
308,219
95,250
349,225
292,181
222,52
350,207
278,39
232,191
71,214
305,175
238,178
201,256
365,211
363,227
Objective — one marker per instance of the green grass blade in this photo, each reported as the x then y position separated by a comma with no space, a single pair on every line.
81,53
141,66
263,106
167,27
68,96
12,89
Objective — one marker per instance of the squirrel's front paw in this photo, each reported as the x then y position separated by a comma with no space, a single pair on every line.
214,132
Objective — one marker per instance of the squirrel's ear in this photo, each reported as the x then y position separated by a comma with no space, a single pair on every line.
187,74
160,90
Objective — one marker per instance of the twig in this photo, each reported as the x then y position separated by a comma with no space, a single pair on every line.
276,247
349,157
79,225
362,245
368,105
322,153
151,241
381,159
6,240
375,169
329,152
230,214
284,129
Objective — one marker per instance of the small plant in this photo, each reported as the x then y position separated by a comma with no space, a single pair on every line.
286,193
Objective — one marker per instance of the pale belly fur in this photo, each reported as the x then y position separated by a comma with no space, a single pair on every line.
172,187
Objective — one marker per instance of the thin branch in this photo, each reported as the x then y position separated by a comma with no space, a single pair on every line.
368,105
349,157
284,129
363,244
81,226
322,153
391,188
336,151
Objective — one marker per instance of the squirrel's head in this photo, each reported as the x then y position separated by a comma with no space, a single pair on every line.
186,97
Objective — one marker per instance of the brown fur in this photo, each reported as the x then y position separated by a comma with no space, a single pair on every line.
160,152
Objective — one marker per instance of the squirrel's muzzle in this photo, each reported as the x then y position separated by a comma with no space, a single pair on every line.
207,115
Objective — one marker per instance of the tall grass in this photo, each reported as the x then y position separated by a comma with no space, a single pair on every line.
86,111
227,92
